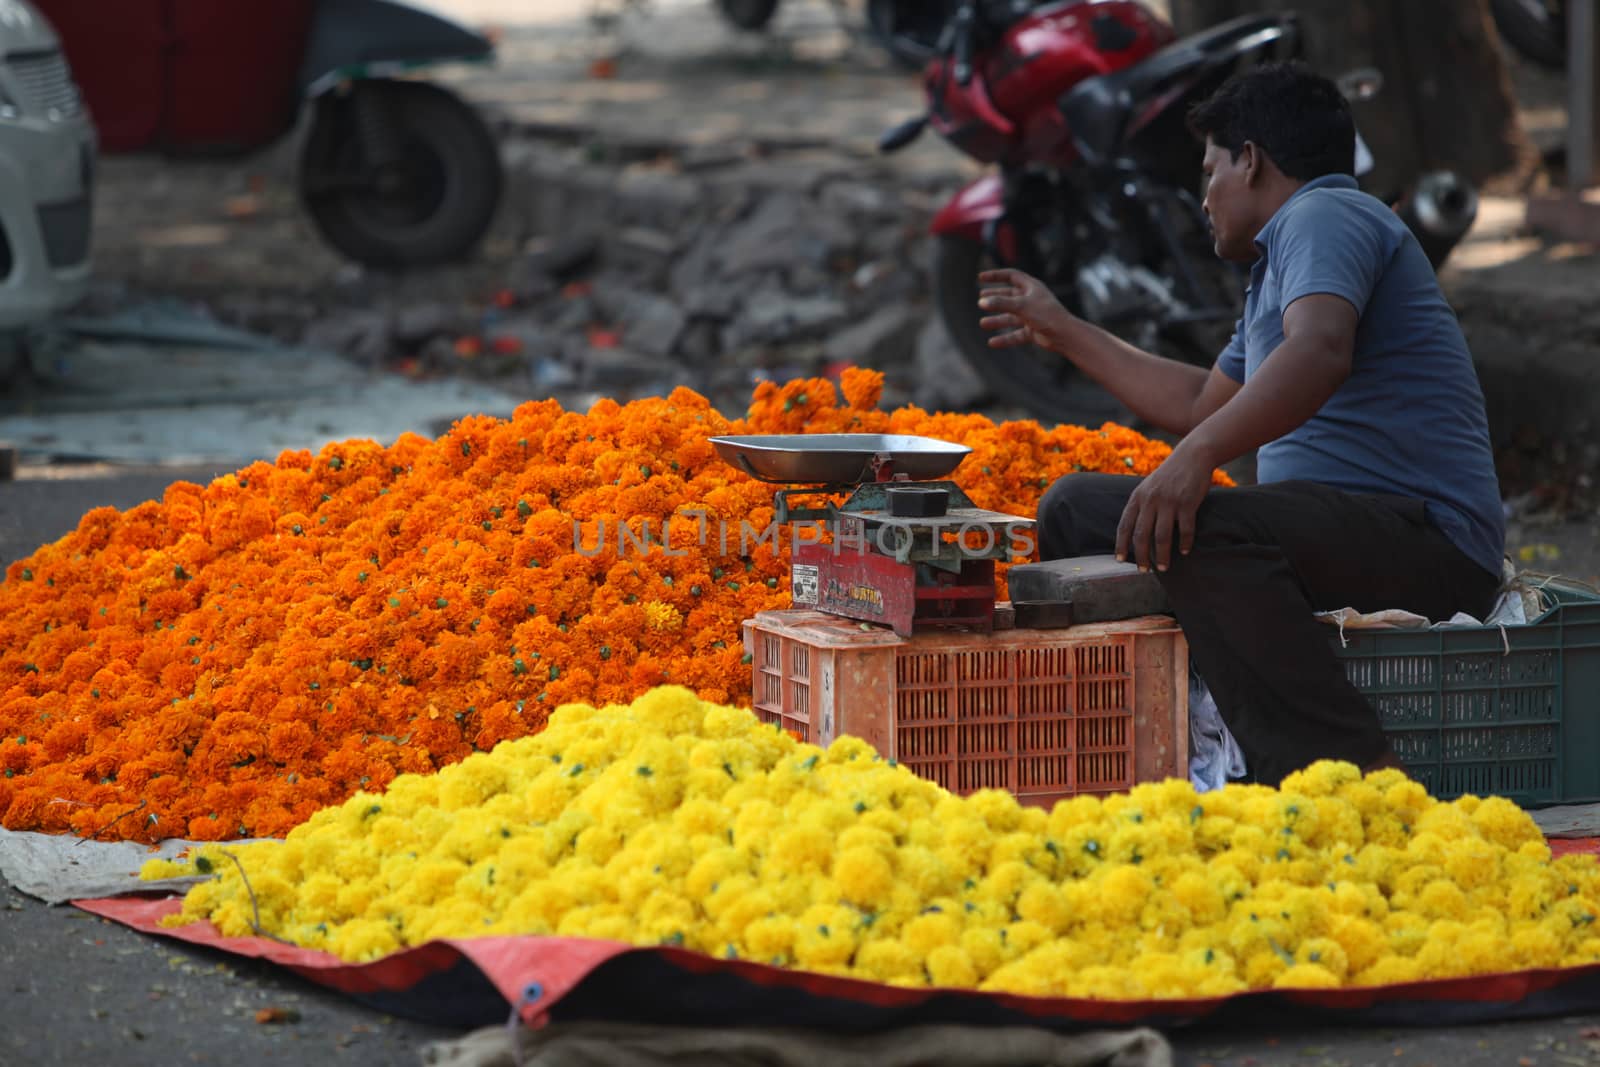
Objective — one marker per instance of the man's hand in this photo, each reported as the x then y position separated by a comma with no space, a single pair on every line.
1167,499
1028,313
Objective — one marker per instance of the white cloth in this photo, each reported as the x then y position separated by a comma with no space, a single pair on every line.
1214,755
1519,604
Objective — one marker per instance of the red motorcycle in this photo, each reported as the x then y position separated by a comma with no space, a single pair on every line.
1082,106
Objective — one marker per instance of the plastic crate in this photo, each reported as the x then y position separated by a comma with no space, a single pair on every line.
1511,711
1043,714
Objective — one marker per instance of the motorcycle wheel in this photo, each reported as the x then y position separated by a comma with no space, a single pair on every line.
433,205
751,15
912,46
1044,384
1536,28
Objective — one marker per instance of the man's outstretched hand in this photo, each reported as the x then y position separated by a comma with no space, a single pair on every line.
1025,311
1166,500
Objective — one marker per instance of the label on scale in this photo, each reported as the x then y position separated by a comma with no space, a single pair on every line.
805,581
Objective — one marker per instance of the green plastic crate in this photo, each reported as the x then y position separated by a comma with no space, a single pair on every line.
1511,712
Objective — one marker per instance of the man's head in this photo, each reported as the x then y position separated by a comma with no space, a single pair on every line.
1268,131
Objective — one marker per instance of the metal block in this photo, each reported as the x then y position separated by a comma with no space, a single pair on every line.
1098,589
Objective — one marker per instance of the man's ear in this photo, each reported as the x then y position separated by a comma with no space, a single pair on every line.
1252,160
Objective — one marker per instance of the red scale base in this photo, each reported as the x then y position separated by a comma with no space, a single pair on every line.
872,587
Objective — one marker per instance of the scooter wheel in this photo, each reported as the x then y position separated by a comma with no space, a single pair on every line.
1044,384
430,203
749,15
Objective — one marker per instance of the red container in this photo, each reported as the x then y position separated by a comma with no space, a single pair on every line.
1043,714
196,75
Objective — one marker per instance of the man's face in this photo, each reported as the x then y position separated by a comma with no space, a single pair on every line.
1229,202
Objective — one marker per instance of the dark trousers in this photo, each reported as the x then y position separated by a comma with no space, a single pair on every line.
1265,558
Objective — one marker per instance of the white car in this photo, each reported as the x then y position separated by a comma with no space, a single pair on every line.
47,164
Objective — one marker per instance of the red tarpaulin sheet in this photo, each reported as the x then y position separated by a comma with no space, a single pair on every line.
474,982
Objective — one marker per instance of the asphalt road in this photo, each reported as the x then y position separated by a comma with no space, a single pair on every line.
79,991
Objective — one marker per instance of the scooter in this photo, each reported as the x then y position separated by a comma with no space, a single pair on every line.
1082,106
395,172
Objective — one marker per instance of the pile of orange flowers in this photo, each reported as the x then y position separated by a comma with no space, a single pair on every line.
228,660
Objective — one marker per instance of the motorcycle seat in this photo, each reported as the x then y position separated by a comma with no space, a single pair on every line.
1099,109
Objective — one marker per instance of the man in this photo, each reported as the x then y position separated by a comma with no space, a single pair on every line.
1349,373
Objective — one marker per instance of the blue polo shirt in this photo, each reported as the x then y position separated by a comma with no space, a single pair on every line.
1409,421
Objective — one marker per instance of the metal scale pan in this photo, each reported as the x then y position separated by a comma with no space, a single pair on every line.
839,458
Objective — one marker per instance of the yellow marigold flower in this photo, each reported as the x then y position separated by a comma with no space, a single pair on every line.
1473,863
928,932
1076,811
1019,847
164,868
1043,903
1162,974
1307,976
1442,899
1125,890
850,749
865,876
714,868
662,616
951,967
1480,951
1406,799
1104,983
1448,822
798,850
1201,896
1264,966
889,960
1584,953
361,940
984,948
1537,945
1407,931
1362,940
825,935
1327,953
772,939
1389,970
998,809
670,709
1025,936
1322,779
1535,850
1503,823
1006,882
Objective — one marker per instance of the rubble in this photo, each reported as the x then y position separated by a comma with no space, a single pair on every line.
675,271
685,266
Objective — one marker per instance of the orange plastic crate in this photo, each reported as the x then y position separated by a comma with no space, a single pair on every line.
1043,714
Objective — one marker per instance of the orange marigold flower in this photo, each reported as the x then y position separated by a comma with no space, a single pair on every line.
237,655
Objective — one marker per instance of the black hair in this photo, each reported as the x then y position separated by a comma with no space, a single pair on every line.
1297,117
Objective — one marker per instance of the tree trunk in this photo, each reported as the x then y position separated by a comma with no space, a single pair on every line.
1446,101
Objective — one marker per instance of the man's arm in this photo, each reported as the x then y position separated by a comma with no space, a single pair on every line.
1290,386
1175,396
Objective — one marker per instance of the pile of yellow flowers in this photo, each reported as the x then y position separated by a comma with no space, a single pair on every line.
675,821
